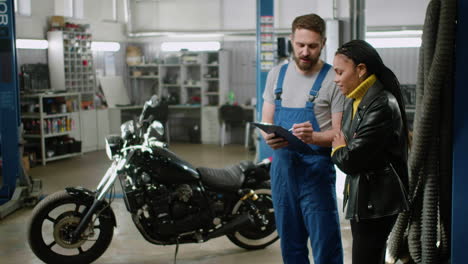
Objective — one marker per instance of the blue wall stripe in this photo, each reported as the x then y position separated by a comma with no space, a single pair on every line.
460,141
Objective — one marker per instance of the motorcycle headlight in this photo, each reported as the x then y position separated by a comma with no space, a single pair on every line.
127,130
114,144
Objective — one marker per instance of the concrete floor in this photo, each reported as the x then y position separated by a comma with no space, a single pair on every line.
128,246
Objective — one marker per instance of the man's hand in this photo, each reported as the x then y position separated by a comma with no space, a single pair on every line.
274,141
304,132
339,140
268,112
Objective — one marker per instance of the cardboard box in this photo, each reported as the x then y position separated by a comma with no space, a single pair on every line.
133,55
137,73
57,21
26,164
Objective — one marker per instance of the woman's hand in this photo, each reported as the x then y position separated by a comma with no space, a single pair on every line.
274,141
339,140
304,132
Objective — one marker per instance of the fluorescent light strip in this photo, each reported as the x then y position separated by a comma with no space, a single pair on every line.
401,33
394,42
191,46
194,36
32,44
105,46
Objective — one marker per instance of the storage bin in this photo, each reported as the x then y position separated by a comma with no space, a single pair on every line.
74,146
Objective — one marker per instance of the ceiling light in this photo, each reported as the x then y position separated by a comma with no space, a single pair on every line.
191,46
399,33
32,44
192,36
395,42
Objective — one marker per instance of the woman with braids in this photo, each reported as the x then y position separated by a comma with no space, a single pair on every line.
372,148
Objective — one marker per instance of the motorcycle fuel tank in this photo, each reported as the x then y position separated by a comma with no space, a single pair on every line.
172,169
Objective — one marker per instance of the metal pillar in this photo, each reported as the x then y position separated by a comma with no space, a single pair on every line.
358,19
18,189
460,141
265,8
9,101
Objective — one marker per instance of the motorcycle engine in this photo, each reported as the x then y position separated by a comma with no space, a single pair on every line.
175,209
182,205
184,192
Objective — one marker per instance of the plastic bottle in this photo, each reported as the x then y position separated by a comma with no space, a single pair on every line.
49,126
54,126
231,97
68,124
44,126
59,125
64,124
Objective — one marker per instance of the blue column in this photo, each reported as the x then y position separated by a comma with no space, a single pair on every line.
460,141
264,8
9,101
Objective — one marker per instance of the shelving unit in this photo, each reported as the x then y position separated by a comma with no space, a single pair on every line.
140,77
50,118
71,64
198,80
184,78
213,83
409,98
170,82
192,85
215,79
71,68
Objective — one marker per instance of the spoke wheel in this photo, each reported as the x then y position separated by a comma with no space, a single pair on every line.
261,234
52,223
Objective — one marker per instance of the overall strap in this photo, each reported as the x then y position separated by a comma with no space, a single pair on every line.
318,82
279,83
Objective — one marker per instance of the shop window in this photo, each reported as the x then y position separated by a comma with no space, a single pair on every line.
69,8
109,10
23,7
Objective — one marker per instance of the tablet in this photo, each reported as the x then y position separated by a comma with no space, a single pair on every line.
294,142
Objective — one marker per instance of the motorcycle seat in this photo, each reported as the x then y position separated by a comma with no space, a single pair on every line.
228,179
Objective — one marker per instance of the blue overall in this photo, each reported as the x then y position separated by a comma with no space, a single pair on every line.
303,188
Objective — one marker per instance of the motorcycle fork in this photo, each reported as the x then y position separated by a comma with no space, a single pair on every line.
103,187
107,175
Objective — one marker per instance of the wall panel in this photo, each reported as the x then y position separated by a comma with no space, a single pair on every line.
403,62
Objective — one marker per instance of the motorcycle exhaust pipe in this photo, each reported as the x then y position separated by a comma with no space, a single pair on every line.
232,226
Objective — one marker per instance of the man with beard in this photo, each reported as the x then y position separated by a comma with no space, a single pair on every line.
302,95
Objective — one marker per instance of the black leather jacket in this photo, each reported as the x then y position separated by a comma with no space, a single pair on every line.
375,158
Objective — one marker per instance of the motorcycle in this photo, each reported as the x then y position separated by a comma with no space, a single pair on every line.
170,201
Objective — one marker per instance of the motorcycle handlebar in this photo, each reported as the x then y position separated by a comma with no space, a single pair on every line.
264,162
158,144
144,124
150,119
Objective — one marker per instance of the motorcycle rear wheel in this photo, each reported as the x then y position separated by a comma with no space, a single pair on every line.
54,218
254,237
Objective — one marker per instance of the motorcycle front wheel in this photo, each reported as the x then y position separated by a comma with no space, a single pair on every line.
54,218
257,236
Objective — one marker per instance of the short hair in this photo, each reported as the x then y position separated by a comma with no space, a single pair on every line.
310,22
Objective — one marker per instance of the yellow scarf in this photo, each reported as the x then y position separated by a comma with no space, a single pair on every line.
360,91
357,95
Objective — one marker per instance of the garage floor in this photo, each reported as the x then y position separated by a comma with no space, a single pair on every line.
128,246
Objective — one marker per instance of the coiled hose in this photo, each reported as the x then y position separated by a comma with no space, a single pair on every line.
430,158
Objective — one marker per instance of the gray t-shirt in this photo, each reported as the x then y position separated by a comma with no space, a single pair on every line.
296,89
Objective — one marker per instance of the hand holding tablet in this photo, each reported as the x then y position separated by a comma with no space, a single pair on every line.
294,142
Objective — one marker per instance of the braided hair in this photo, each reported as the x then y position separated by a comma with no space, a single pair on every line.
359,51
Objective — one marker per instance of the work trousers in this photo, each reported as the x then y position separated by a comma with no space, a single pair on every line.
370,239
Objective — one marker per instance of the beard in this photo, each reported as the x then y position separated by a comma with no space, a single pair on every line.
306,66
